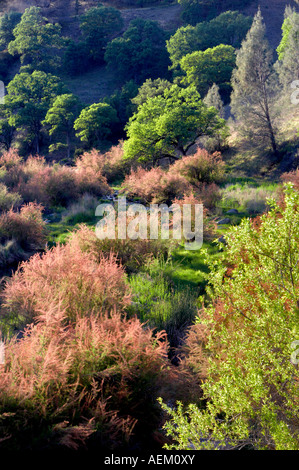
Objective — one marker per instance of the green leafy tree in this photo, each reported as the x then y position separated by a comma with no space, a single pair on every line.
150,89
36,42
253,85
203,68
197,10
7,24
140,53
168,125
97,25
122,102
229,28
76,58
29,96
7,132
288,49
248,334
95,123
60,119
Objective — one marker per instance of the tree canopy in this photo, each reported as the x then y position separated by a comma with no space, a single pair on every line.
97,25
7,24
228,28
61,117
168,125
140,53
197,10
254,86
288,49
36,42
28,100
203,68
95,122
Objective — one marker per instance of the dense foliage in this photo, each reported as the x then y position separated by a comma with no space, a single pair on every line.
242,342
184,106
140,53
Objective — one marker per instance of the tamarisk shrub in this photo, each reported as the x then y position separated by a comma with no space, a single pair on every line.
131,254
80,383
155,185
74,279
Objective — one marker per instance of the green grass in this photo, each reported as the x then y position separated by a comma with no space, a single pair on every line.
58,233
191,266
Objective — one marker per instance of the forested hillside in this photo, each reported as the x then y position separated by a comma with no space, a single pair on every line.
149,225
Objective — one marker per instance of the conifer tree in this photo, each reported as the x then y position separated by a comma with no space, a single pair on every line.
253,83
288,49
213,98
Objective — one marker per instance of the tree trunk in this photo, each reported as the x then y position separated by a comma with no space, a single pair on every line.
270,127
37,144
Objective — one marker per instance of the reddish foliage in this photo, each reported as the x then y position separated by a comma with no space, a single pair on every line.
54,184
201,167
71,278
155,185
26,227
98,373
292,177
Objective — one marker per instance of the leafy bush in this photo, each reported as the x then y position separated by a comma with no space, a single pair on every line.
131,254
51,185
76,281
245,340
86,383
201,167
21,233
155,185
26,226
109,164
8,200
89,176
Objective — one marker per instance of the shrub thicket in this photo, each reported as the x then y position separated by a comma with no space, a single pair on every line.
51,185
242,346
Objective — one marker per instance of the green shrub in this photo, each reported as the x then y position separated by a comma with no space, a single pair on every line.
131,254
245,339
8,200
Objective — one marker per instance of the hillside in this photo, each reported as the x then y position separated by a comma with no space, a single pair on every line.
168,16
